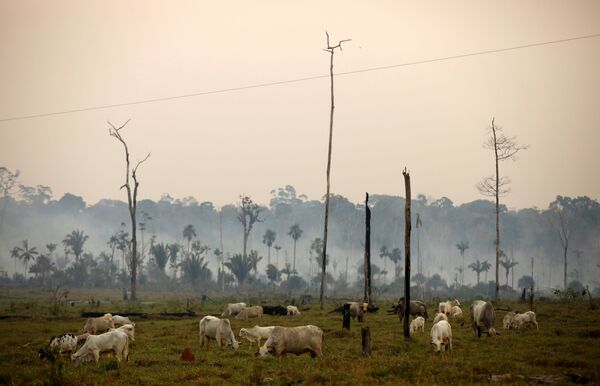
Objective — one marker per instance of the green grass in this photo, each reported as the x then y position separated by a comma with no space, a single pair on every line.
568,341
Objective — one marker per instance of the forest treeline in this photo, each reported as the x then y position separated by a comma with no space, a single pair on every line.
180,242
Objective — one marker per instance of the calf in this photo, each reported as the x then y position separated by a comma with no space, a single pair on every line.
523,320
294,340
256,333
507,321
292,311
101,324
416,324
441,336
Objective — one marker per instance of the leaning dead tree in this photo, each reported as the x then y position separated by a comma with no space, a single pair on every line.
131,201
504,148
407,229
331,50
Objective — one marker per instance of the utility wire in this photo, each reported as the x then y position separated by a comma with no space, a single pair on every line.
269,84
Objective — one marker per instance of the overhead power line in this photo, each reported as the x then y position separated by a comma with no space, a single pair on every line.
296,80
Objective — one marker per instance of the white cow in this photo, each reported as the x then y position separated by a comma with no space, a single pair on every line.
440,316
233,309
358,308
129,329
294,340
524,320
507,321
456,312
416,324
483,318
212,327
256,333
116,341
250,312
101,324
446,307
441,336
292,311
122,320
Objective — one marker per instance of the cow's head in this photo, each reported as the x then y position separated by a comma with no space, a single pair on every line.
438,345
492,332
264,351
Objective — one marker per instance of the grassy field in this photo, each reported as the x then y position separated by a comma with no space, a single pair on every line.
567,344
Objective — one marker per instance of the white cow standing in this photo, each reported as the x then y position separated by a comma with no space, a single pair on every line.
256,333
116,341
292,311
294,340
523,320
212,327
416,324
441,336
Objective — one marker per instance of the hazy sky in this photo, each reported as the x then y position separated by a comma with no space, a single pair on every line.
431,118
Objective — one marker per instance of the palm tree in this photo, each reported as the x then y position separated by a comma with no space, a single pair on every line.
160,254
395,256
74,241
189,232
295,232
51,247
383,253
273,274
485,267
42,267
277,249
26,254
14,253
254,259
269,239
173,250
477,267
462,247
194,268
508,265
240,266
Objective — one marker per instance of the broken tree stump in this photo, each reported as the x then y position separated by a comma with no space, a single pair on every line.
365,333
346,317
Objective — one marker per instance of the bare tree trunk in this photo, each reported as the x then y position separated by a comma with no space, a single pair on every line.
565,258
346,316
294,264
222,251
367,268
497,292
331,50
365,333
245,242
407,229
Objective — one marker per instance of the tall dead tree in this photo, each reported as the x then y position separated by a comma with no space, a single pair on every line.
504,148
563,227
131,201
367,297
331,50
407,229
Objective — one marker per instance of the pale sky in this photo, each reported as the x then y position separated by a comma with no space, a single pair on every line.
431,118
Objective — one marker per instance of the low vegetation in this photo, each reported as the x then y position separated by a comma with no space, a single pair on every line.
565,348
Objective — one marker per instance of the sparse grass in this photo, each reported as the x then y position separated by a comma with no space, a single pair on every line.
565,343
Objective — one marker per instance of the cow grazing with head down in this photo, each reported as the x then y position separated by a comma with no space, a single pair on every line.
233,309
440,316
64,344
441,336
483,318
256,333
294,340
116,340
101,324
417,324
416,308
293,311
507,321
122,320
524,320
212,327
358,309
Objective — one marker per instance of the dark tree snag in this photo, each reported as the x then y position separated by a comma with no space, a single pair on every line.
367,297
131,201
365,333
407,229
331,50
346,317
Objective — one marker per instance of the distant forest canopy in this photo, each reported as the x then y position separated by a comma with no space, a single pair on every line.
31,213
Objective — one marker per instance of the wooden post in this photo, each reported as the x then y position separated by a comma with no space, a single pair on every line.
346,318
407,228
367,297
365,333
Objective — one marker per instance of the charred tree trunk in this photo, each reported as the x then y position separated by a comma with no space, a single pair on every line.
365,333
346,317
368,293
407,229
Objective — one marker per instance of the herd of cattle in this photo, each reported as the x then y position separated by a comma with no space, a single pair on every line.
112,333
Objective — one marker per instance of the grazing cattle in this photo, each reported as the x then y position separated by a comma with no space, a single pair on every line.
250,312
416,308
508,320
129,329
256,333
101,324
456,312
483,318
523,320
416,324
233,309
358,309
292,311
212,327
64,344
274,310
116,341
446,307
440,316
121,320
294,340
441,336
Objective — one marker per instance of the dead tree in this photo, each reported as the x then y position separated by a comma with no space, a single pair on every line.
248,214
331,50
407,229
563,227
367,297
365,333
131,201
346,316
504,148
